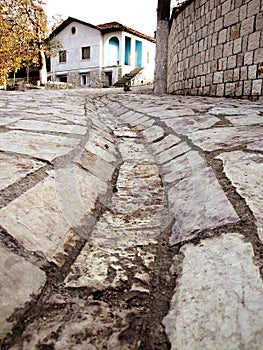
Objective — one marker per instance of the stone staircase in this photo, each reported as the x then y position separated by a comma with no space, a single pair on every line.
126,79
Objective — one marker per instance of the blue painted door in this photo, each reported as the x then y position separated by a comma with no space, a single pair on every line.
114,51
127,60
138,53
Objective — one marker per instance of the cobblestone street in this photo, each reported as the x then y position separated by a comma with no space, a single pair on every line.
130,221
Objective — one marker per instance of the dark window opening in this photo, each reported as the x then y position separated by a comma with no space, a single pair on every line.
73,30
85,79
85,52
63,79
62,56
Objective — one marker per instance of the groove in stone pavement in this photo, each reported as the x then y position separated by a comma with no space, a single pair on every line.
130,259
246,227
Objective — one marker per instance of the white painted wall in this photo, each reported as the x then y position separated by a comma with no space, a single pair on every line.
72,43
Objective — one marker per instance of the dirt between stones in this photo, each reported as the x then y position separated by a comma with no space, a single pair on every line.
113,318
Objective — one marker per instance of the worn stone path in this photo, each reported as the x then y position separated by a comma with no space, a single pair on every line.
130,221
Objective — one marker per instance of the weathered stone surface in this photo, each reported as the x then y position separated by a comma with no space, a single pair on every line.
198,203
126,115
143,119
172,153
37,125
7,120
113,291
221,138
131,117
256,146
125,131
183,167
102,140
96,165
130,149
46,147
165,144
101,151
145,125
78,202
19,281
235,111
171,113
189,124
13,168
245,119
245,172
218,303
99,267
136,211
152,134
36,221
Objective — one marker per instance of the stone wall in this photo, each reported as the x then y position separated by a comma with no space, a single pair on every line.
74,77
216,48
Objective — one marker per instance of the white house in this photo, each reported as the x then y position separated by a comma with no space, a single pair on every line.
102,55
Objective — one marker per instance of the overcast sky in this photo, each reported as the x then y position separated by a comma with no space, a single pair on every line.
137,14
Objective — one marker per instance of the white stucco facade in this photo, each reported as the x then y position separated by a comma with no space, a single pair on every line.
101,55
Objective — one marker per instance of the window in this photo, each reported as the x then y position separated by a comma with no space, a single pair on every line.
63,79
73,30
62,56
85,79
148,57
85,52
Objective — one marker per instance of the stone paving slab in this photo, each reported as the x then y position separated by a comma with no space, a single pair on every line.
96,165
129,149
218,303
190,124
145,125
143,119
13,168
46,147
19,281
256,146
236,111
245,120
173,152
35,221
101,151
165,144
183,167
245,172
153,133
102,140
5,120
99,267
198,203
78,202
170,113
225,137
37,125
132,118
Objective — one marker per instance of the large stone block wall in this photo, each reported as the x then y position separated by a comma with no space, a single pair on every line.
216,48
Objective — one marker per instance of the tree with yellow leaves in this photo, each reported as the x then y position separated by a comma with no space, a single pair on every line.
23,37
